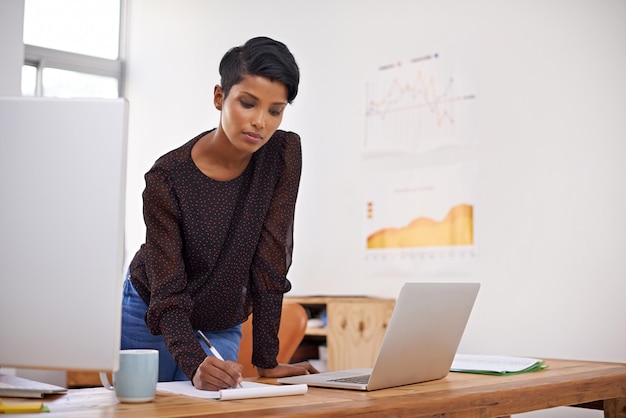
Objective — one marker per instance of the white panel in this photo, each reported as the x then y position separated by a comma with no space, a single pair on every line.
62,182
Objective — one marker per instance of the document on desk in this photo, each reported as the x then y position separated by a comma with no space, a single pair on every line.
247,391
495,365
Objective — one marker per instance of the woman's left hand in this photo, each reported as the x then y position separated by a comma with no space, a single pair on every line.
285,370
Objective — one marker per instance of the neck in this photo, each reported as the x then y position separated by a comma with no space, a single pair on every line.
214,155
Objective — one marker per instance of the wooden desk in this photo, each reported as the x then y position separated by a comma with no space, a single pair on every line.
458,395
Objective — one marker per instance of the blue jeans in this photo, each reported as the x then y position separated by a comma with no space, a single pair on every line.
135,334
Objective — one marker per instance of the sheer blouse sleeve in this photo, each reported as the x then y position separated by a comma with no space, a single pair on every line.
273,256
170,306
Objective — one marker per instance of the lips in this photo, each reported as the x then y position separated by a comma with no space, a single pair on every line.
253,137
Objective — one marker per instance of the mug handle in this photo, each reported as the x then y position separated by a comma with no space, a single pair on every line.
104,379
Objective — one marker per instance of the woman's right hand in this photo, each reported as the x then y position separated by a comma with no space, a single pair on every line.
216,374
285,370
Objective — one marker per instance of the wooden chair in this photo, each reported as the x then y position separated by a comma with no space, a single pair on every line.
293,324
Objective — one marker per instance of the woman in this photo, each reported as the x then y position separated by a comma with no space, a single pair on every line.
219,230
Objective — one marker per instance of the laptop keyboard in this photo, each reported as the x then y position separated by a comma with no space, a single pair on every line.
362,379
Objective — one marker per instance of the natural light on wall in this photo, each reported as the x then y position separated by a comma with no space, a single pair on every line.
72,48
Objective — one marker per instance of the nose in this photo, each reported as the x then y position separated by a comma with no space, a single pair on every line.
258,121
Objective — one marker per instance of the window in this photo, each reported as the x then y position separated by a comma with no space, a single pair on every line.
72,48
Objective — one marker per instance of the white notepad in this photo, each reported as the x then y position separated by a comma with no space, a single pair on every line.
247,391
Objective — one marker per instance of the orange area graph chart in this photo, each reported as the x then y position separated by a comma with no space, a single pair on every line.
457,228
418,215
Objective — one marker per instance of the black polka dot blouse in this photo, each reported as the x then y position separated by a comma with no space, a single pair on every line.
215,251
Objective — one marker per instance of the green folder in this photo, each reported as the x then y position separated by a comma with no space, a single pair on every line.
495,365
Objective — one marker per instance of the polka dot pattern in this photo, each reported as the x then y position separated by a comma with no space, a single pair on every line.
216,251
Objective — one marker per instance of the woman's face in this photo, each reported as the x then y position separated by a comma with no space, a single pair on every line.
252,112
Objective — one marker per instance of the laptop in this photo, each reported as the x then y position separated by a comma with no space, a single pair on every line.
420,342
19,387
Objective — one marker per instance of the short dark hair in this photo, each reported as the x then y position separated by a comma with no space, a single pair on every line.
264,57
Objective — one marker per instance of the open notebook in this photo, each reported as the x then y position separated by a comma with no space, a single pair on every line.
420,342
247,390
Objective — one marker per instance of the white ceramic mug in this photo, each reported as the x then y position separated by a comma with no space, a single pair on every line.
136,379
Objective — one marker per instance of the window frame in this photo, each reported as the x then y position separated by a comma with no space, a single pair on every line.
41,58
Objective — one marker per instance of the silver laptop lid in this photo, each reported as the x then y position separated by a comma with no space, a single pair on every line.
420,343
423,334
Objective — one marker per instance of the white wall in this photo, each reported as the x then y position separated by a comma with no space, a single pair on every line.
548,144
11,47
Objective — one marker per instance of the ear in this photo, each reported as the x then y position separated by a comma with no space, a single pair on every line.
218,97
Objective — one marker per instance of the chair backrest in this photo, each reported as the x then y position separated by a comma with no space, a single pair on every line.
293,324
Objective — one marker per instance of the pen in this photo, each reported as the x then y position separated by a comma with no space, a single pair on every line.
211,347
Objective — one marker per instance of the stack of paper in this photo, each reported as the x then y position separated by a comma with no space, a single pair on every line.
496,365
247,391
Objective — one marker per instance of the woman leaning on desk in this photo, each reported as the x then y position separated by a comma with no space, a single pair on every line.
219,216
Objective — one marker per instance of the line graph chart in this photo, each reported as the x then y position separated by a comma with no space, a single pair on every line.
417,105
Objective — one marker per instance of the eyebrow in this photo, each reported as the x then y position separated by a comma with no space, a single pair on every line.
256,98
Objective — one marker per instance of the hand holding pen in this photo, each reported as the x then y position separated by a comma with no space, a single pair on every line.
204,379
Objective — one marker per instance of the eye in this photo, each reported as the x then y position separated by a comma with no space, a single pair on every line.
276,112
246,104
